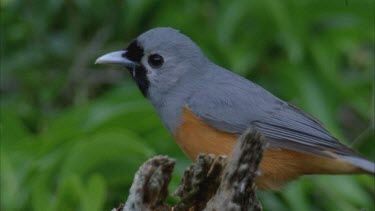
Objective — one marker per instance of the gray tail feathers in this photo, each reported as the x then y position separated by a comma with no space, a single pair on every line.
362,163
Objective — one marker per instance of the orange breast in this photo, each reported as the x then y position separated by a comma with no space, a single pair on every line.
277,166
194,137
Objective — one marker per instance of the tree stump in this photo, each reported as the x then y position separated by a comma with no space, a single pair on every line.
210,183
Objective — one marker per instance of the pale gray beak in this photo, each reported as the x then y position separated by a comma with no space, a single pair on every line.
116,58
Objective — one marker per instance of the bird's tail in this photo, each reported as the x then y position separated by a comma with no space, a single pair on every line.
363,165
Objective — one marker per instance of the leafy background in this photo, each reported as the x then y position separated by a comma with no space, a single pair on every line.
74,133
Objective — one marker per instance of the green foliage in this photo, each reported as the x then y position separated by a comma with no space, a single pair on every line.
73,135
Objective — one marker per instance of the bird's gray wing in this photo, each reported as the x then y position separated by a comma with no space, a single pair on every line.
233,104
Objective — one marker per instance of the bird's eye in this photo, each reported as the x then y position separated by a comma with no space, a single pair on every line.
155,60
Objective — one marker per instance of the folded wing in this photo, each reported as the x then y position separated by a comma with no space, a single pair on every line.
235,107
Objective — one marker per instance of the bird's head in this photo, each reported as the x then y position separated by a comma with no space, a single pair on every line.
158,59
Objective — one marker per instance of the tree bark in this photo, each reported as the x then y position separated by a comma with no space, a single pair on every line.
210,183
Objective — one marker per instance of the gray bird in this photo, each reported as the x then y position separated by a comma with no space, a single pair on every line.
206,108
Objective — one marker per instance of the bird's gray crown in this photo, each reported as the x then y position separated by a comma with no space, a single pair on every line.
167,39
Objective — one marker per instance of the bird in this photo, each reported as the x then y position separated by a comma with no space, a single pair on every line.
206,108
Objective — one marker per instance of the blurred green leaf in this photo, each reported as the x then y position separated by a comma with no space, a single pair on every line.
295,195
94,197
9,184
69,193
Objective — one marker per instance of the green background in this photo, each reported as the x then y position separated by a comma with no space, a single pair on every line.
73,133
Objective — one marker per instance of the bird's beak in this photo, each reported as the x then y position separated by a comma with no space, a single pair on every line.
117,58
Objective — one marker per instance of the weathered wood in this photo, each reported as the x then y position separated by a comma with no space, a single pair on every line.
237,187
210,183
200,182
150,186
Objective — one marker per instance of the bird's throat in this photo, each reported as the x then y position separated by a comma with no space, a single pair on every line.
139,74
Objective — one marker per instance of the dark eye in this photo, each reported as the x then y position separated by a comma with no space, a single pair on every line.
155,60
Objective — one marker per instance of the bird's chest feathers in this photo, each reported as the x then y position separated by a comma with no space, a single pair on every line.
194,137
